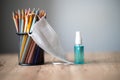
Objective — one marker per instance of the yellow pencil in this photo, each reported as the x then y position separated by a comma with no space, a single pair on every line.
29,23
24,39
23,45
24,36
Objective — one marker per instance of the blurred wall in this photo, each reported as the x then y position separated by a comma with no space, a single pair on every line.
98,20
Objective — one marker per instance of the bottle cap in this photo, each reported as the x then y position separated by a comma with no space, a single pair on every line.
78,39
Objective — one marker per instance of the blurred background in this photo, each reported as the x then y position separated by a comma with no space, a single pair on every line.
98,21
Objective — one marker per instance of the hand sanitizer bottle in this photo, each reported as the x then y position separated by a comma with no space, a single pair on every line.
78,49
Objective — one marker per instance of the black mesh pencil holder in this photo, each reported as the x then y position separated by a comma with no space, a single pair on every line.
29,52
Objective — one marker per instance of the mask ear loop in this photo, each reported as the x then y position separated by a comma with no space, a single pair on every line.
42,14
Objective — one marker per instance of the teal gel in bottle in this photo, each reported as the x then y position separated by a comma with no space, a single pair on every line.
78,49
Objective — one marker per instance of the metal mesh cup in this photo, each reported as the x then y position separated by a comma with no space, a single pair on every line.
29,52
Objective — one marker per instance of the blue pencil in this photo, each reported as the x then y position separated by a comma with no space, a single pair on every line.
34,20
36,56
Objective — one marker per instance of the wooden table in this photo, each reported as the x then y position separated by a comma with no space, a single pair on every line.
98,66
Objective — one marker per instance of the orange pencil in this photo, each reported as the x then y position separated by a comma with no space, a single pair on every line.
15,18
28,52
32,53
42,14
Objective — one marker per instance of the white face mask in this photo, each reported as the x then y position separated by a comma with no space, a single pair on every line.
46,38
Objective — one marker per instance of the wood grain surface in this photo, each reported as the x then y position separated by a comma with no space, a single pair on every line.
98,66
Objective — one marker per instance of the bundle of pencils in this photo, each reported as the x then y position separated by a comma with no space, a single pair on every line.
24,21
